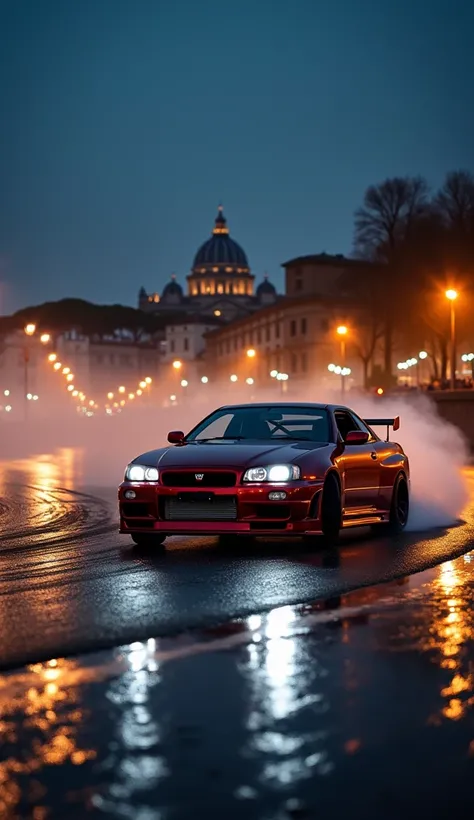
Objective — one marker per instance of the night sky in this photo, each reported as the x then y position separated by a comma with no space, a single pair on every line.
124,123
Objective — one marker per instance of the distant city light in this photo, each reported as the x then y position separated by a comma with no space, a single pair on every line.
143,385
35,397
75,393
423,354
249,381
282,377
451,294
331,368
70,387
121,389
380,391
234,378
45,338
466,357
29,396
6,392
173,397
8,408
69,377
139,392
52,357
148,380
57,366
110,395
342,330
66,370
251,353
184,383
273,373
177,364
131,396
204,379
30,329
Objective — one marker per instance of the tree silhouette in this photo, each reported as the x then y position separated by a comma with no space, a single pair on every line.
383,226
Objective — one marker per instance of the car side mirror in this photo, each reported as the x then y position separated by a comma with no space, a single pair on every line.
176,437
356,437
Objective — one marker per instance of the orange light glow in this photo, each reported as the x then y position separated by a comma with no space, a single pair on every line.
451,294
251,353
52,357
342,330
57,366
45,338
177,364
30,329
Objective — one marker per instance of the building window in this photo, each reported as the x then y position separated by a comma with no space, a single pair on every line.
259,336
294,363
220,288
186,343
277,330
298,284
172,346
267,333
304,362
293,327
324,325
227,346
304,325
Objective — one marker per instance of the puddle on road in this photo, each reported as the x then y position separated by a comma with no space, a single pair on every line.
300,704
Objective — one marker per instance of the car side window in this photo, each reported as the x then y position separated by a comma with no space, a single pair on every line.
345,423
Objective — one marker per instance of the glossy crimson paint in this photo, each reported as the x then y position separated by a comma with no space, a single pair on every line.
366,470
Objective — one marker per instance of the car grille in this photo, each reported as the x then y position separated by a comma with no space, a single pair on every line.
187,478
219,508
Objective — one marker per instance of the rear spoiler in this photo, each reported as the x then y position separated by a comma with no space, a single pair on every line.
394,423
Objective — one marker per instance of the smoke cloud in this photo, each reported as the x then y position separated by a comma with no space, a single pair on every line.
93,452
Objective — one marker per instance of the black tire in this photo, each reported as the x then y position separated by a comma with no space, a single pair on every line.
331,510
148,539
400,506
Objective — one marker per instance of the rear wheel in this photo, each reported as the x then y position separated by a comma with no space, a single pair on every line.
331,510
400,505
148,539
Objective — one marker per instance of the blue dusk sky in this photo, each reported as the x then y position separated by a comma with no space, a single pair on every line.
125,122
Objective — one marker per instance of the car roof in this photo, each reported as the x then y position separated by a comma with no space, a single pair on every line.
283,404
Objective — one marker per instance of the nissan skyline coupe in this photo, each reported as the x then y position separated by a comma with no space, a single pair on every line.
275,469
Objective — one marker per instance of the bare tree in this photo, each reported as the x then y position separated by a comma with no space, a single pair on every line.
455,202
383,226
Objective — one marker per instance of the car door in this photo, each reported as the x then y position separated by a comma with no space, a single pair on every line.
360,468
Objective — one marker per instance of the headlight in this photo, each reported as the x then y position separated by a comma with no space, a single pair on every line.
276,473
138,472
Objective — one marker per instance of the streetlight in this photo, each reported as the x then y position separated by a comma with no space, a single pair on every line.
251,353
452,295
45,338
234,378
342,332
29,330
204,379
177,364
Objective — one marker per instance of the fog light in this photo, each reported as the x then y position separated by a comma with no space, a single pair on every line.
279,496
130,494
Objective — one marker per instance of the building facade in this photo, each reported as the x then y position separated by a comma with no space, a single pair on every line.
220,283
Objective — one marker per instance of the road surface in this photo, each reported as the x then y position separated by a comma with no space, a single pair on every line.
70,583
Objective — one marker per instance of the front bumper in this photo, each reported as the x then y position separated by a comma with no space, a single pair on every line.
255,513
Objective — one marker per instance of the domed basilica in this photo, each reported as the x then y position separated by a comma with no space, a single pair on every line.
220,283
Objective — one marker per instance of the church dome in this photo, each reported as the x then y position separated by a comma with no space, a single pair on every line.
220,253
172,291
266,288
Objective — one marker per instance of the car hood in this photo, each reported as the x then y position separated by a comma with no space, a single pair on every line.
231,454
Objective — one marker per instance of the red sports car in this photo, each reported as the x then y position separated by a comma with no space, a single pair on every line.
268,469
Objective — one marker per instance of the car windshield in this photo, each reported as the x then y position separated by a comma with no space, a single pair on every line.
270,423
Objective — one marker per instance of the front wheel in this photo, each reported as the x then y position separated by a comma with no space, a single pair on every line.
400,506
331,510
148,539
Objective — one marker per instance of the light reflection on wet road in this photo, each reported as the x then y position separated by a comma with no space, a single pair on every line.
360,706
69,582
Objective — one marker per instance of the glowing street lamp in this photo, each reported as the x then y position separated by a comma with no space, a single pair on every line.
204,379
184,383
422,354
251,353
452,295
110,395
45,338
30,329
249,380
273,373
342,332
234,378
177,364
148,380
52,357
121,389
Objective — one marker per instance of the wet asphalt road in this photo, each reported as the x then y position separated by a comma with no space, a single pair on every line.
69,583
361,707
